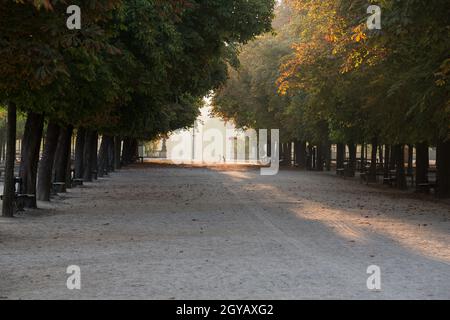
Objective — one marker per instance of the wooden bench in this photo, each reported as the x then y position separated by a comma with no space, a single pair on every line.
426,187
19,200
390,180
77,182
58,187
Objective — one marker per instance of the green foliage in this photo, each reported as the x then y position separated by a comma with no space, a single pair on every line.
136,68
342,82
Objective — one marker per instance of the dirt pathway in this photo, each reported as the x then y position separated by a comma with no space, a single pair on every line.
196,233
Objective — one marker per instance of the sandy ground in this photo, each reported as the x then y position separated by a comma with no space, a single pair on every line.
158,232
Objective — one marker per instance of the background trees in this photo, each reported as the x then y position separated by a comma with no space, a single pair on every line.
339,82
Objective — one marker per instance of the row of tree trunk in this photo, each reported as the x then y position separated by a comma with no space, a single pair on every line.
385,158
43,164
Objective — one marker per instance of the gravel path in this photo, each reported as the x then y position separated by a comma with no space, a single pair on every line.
159,232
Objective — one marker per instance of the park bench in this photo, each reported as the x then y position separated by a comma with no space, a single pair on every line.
58,187
366,176
389,180
426,187
77,182
19,197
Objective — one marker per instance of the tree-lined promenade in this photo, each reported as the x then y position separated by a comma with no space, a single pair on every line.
135,70
325,79
172,232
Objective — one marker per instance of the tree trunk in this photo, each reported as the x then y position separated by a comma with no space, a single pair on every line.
319,160
62,156
300,154
135,150
88,155
69,164
340,156
410,159
328,156
392,159
79,152
8,205
125,151
111,153
94,165
400,159
117,151
46,164
387,161
130,150
373,164
443,169
381,156
103,158
422,162
310,157
363,158
288,153
352,159
31,144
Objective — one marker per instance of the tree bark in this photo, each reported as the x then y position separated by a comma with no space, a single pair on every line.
422,162
31,144
79,152
300,154
8,205
373,164
62,156
400,160
392,159
111,155
387,161
340,156
443,169
117,152
319,159
130,150
381,156
94,165
352,159
310,157
410,159
103,158
69,164
88,155
288,153
46,164
363,158
328,156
